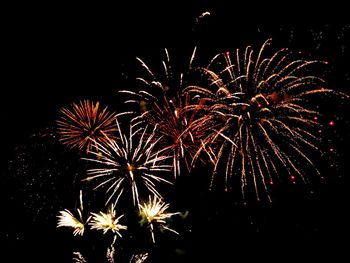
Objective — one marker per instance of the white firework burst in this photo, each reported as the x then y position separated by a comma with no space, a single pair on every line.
131,162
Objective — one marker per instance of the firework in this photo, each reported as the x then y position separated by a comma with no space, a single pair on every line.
173,123
138,258
85,123
107,221
67,219
264,121
153,214
131,162
110,254
78,257
163,104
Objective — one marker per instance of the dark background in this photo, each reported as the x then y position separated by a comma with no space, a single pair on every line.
58,54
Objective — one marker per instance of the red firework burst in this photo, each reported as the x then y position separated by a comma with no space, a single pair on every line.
85,123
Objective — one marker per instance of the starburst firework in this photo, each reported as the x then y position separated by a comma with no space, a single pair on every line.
107,222
264,122
85,123
131,162
153,213
164,104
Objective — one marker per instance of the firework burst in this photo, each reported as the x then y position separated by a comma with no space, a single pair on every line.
163,104
264,122
153,214
67,219
107,222
85,123
131,162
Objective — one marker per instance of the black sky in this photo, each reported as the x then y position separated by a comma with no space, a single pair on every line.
59,54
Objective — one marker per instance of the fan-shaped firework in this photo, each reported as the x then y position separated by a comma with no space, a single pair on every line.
67,219
84,123
265,121
164,105
153,213
131,162
107,221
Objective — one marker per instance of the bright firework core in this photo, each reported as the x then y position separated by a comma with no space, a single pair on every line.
131,167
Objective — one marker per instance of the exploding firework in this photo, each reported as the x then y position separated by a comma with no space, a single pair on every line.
129,163
153,214
67,219
264,121
163,104
85,123
107,221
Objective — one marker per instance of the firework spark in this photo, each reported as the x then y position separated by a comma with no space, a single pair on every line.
110,254
133,161
85,123
78,257
107,221
164,105
67,219
265,120
138,258
153,213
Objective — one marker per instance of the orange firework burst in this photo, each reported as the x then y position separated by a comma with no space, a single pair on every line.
86,123
265,122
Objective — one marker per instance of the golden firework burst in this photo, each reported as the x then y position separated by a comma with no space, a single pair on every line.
264,123
107,221
153,213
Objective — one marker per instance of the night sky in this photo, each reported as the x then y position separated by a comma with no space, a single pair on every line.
66,54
